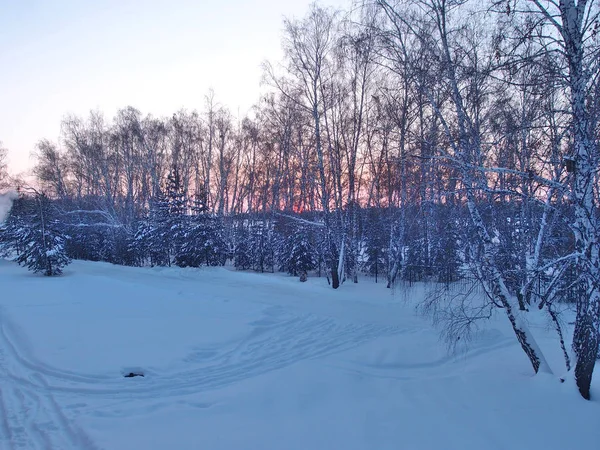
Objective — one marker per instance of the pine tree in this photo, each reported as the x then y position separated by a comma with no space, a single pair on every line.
445,246
153,236
4,240
260,246
375,249
123,252
177,224
242,258
139,245
202,240
301,257
9,243
215,249
41,237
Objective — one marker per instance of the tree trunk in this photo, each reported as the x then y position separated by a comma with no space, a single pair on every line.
586,342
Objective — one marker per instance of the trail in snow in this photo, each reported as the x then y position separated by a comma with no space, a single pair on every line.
276,341
30,416
237,361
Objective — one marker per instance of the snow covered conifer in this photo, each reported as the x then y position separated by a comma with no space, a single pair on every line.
8,229
202,239
176,223
242,258
262,242
376,259
41,240
301,257
152,239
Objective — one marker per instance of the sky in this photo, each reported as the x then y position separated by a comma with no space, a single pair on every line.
61,57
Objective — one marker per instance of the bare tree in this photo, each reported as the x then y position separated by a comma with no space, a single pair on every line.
435,27
3,166
50,169
308,46
567,31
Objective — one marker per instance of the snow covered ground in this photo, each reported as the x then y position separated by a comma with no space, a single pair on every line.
247,361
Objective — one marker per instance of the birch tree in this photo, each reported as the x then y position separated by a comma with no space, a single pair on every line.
308,47
435,26
50,168
567,31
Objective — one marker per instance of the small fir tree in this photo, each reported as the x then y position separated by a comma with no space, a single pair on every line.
41,237
301,258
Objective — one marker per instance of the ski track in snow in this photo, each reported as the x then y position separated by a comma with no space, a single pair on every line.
276,341
30,417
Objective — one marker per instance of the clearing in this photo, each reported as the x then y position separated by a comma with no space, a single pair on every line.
236,360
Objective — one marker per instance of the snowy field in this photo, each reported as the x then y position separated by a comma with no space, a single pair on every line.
248,361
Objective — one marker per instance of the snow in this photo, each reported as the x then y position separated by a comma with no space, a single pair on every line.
235,360
6,201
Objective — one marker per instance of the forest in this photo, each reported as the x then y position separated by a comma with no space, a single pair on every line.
409,140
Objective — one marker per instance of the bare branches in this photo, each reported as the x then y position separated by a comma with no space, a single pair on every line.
3,166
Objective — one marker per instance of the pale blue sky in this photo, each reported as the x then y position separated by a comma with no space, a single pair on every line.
70,56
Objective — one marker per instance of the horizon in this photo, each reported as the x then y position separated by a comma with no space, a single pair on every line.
157,56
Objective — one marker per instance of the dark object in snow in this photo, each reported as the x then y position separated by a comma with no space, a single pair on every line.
303,276
133,374
570,164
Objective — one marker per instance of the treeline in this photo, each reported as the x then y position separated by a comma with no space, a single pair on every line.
178,232
426,137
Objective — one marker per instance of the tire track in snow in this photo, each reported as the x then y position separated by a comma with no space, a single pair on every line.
16,436
75,434
31,417
276,346
10,335
28,412
422,370
5,427
277,340
16,429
